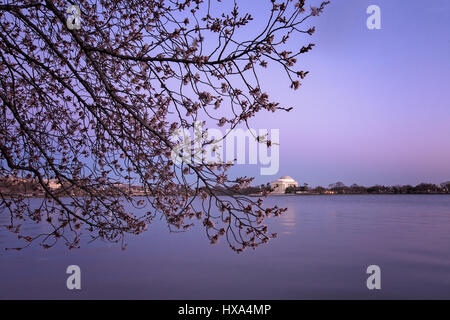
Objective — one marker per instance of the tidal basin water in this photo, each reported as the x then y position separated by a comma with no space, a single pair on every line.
324,247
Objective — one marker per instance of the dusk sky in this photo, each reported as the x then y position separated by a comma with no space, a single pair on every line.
375,108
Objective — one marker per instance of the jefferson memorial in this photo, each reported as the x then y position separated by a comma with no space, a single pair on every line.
280,185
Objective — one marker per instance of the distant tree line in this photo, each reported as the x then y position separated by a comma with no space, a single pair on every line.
341,188
13,186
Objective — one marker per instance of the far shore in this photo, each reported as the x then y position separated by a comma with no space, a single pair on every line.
15,187
345,194
41,196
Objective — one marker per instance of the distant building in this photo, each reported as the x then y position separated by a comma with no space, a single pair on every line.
280,185
52,183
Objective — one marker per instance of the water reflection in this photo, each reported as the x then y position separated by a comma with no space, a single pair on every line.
324,247
288,221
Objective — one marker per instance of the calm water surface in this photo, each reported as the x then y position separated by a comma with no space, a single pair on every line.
324,246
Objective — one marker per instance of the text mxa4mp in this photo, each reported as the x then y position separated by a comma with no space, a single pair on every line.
229,309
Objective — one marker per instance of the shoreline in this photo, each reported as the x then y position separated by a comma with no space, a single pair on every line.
349,194
255,195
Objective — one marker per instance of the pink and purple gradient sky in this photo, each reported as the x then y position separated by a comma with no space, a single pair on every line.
375,108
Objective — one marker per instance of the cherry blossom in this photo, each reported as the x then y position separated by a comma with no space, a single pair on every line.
92,110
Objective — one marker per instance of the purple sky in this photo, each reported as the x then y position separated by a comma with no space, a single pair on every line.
375,108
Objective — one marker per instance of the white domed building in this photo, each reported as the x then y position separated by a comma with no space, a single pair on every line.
280,185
